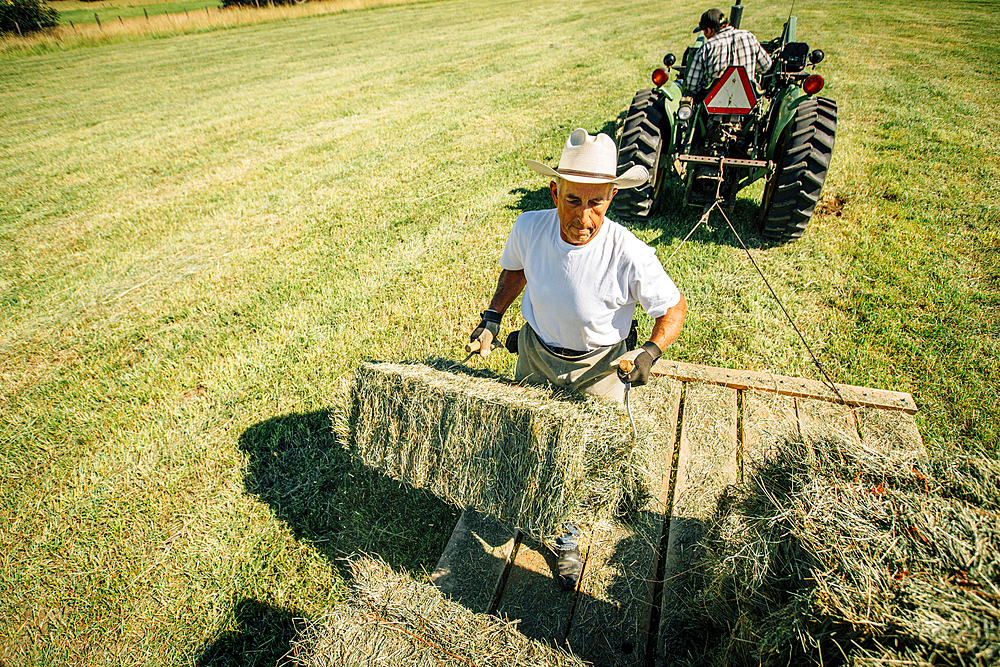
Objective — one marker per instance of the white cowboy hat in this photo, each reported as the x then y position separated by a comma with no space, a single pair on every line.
587,159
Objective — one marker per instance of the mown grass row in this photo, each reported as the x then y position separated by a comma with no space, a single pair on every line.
202,234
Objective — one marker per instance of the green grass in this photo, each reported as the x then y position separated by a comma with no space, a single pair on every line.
201,235
79,12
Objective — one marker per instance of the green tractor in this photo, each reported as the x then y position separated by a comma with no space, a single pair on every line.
737,133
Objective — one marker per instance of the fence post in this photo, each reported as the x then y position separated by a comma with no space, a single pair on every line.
206,11
98,19
120,21
18,28
186,15
146,13
72,26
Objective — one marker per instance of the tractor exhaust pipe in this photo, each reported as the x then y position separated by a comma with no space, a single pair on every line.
736,14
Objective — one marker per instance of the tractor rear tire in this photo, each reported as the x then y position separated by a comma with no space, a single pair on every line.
803,158
641,143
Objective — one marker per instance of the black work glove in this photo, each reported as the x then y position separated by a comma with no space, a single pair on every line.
644,358
487,331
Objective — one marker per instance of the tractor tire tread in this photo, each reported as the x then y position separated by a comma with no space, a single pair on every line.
640,144
802,170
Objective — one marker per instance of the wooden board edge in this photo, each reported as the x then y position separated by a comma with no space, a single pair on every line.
786,385
657,526
458,534
455,548
682,528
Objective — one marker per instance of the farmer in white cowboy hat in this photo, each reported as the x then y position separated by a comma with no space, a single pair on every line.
582,275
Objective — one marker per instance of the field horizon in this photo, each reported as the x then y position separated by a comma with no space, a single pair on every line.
202,234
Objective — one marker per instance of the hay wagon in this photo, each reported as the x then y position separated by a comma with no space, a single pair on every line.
624,611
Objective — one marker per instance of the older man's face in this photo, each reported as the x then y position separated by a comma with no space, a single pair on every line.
581,208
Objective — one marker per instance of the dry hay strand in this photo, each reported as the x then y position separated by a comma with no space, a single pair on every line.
531,456
827,556
391,619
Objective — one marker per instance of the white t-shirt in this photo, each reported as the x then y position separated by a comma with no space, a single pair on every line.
583,297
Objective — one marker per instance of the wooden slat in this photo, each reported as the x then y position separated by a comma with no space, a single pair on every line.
769,421
532,595
786,386
472,565
706,464
611,622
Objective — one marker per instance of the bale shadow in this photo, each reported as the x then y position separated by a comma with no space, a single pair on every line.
300,468
262,636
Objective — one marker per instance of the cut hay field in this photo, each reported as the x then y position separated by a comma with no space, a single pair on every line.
201,235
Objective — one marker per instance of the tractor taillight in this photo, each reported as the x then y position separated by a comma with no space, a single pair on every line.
813,84
659,76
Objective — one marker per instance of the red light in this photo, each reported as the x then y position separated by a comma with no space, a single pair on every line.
813,84
659,76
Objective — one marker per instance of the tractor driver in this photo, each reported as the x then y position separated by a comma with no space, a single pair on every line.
582,275
724,46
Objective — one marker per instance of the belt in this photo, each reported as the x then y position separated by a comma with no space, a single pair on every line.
566,352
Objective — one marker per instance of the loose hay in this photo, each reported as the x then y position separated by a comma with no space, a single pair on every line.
392,620
833,557
527,455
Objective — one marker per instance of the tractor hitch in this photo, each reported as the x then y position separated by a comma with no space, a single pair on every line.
709,181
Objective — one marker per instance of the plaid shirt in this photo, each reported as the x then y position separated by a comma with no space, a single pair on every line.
729,46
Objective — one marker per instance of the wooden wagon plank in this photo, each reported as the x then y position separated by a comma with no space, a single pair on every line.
786,386
611,623
473,563
769,421
533,597
706,464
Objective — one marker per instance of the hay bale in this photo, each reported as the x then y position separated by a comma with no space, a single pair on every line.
391,619
531,456
833,556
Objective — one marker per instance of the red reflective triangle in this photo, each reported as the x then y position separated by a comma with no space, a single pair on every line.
732,93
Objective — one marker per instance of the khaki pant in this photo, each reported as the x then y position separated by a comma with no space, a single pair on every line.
593,373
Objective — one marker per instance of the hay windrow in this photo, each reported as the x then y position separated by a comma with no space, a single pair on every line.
834,557
531,456
392,620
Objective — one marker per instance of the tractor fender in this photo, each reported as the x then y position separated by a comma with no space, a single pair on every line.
790,100
672,94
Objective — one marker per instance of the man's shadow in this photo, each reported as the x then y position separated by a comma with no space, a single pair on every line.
673,219
297,466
